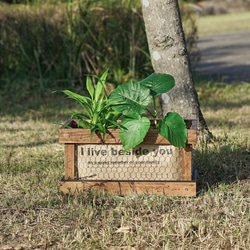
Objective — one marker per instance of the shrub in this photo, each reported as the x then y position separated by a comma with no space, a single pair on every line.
60,44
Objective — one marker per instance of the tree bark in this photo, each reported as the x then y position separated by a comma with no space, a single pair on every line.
169,55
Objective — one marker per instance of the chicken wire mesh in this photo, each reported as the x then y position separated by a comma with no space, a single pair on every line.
145,163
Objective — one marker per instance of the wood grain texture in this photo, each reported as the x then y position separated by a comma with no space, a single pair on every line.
82,136
73,137
186,163
127,188
69,161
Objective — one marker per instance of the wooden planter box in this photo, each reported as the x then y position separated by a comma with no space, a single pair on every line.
155,166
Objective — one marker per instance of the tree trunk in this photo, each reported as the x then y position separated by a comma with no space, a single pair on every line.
169,55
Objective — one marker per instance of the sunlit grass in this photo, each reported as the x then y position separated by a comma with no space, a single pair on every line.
223,23
33,214
226,107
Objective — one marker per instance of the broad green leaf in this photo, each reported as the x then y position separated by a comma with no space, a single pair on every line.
173,128
102,129
90,87
158,83
133,130
130,98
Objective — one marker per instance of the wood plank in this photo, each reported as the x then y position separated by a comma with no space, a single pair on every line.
69,161
82,136
187,163
126,188
71,187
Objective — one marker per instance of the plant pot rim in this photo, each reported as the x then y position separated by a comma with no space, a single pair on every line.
190,124
78,135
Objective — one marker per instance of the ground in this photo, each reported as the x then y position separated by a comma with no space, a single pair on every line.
225,56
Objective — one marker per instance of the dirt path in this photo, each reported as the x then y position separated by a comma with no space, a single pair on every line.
225,56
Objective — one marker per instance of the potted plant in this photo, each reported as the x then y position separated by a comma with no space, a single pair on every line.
129,102
125,116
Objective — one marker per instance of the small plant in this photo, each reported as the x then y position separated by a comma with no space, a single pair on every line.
129,102
97,113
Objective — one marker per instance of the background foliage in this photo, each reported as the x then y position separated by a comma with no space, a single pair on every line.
56,43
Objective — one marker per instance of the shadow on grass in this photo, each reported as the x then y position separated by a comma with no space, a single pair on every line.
222,123
31,144
222,161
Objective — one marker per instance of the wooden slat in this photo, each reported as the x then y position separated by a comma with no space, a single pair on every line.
82,136
69,154
74,136
187,163
72,187
126,188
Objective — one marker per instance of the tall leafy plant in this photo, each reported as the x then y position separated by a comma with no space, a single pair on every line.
133,99
97,114
129,102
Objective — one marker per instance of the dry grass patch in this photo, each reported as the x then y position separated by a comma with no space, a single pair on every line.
223,23
218,219
34,215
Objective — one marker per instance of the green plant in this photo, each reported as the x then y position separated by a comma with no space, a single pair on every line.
97,115
130,100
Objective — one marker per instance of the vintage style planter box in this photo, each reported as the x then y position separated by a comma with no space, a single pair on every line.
154,166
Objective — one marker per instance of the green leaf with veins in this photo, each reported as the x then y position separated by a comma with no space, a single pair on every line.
158,83
173,128
133,130
130,98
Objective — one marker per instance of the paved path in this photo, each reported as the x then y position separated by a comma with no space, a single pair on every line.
225,56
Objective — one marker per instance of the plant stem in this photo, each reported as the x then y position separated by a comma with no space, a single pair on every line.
155,110
151,113
154,115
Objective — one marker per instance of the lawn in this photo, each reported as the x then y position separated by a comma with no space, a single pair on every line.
223,23
34,215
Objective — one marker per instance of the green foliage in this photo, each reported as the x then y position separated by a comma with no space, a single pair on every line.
174,128
58,42
31,163
97,114
130,100
158,83
133,130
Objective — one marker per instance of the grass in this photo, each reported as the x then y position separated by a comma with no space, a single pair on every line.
226,106
223,23
60,43
57,43
34,215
